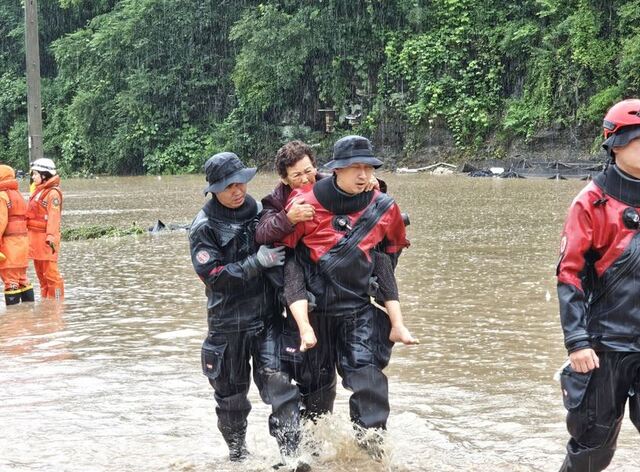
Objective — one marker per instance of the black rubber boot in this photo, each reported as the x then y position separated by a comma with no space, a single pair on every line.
297,466
319,402
372,442
12,298
28,295
234,436
289,444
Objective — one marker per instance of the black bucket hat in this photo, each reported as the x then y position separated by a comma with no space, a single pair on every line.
352,150
224,169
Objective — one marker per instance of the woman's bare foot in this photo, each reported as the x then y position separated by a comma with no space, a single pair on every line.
400,334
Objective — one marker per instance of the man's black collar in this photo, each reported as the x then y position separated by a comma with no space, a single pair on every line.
337,201
619,185
247,211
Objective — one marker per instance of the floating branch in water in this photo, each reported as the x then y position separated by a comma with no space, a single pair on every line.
99,231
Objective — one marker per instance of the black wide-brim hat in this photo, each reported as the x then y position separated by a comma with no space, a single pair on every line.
224,169
353,150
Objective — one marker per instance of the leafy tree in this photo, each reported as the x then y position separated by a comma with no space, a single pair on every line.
133,86
140,75
451,73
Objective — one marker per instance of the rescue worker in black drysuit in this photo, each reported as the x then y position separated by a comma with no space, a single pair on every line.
314,371
242,311
599,293
334,249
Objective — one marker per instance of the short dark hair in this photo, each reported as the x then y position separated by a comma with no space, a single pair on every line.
291,153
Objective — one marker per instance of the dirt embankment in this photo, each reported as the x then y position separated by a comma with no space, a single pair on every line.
552,145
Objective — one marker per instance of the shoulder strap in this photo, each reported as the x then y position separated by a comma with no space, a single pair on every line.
363,226
41,195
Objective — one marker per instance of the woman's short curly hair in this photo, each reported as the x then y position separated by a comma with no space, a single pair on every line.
291,153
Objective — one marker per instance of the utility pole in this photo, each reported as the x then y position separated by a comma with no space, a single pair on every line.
34,102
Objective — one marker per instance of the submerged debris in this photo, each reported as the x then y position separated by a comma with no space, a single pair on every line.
481,173
99,231
513,169
511,174
439,168
524,168
160,226
110,231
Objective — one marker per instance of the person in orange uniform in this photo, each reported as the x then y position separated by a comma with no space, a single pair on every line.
14,243
43,223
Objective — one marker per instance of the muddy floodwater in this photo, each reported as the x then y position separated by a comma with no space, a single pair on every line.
111,381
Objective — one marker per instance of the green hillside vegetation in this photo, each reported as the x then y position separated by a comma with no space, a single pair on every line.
155,86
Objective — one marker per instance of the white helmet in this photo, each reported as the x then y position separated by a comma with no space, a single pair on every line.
44,165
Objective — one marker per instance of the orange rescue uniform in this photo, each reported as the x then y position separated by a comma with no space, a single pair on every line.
43,223
14,244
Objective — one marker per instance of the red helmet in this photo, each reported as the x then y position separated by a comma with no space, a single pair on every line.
621,125
624,113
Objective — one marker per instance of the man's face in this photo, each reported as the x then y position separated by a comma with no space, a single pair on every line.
628,157
354,179
232,196
301,173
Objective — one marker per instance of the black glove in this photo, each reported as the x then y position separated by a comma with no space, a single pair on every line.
270,256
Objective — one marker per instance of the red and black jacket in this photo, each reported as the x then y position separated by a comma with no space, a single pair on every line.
341,285
274,224
599,268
